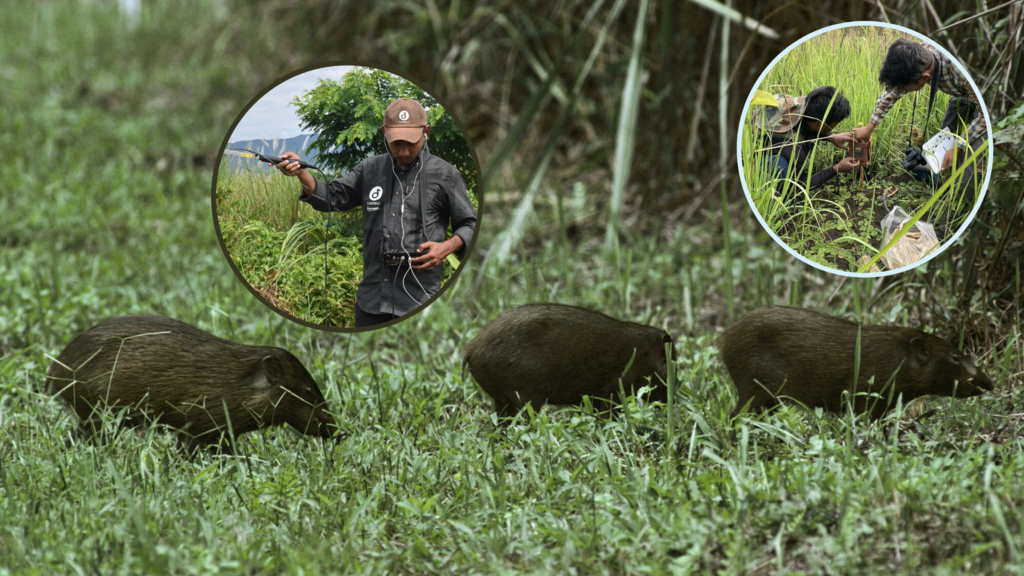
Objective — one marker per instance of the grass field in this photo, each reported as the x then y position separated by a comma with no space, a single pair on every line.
277,243
838,224
107,212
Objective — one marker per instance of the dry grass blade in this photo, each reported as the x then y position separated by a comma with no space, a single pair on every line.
508,238
730,13
626,133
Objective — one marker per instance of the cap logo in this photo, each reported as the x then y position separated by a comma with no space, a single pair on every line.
375,193
403,116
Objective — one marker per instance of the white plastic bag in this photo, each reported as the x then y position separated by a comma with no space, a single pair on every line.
918,242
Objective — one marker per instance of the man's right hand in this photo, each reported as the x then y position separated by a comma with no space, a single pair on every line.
864,132
293,169
847,165
290,168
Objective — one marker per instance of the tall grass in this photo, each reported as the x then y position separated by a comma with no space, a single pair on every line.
249,190
277,243
818,223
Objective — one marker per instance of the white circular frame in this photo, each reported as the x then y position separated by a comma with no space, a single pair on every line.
978,200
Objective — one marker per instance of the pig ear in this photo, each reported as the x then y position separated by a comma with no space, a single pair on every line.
919,351
273,369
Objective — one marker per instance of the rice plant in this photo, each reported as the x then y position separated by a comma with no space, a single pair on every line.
838,224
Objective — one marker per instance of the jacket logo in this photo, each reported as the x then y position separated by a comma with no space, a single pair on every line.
376,193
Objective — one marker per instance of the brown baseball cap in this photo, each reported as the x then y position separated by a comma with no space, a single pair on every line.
404,119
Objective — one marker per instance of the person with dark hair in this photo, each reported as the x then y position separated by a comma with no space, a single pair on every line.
908,67
823,109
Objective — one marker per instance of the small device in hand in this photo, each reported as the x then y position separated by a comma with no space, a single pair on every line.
859,150
395,256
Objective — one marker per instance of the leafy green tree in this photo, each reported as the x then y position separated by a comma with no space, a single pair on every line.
348,115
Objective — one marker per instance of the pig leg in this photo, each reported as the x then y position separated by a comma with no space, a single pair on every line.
605,406
187,445
761,399
190,445
88,430
741,401
225,446
506,408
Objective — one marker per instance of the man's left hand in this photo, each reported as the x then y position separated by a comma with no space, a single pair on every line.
947,160
436,252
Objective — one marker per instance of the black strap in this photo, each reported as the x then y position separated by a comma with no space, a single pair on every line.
424,194
934,84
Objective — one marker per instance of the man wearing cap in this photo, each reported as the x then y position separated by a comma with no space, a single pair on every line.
817,116
409,198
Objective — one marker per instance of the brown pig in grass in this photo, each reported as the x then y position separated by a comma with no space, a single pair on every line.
781,352
556,354
163,370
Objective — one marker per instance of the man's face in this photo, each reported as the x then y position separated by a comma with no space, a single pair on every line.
404,151
816,127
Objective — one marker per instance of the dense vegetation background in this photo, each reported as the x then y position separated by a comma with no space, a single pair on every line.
583,114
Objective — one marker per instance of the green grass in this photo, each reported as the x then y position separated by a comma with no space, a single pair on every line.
277,244
838,224
92,228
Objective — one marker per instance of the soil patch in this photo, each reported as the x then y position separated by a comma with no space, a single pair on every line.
845,222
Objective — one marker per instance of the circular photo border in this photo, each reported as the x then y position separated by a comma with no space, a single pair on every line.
216,220
742,124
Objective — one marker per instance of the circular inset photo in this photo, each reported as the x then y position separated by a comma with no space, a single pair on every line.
864,149
346,197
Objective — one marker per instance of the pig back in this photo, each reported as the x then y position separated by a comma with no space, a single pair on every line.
811,357
160,365
556,353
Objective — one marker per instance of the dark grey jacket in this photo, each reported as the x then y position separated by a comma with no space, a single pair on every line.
372,184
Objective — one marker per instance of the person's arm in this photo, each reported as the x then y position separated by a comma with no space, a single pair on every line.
843,166
796,158
292,169
840,139
976,129
821,177
463,220
308,182
342,194
882,107
825,175
335,196
463,217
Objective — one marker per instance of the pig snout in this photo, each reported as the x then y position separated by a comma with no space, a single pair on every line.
974,381
315,421
979,381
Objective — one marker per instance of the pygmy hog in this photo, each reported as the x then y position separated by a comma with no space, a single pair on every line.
552,353
807,356
167,371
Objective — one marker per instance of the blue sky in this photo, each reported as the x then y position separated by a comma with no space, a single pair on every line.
274,115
